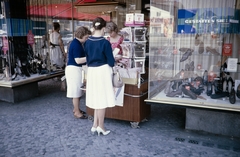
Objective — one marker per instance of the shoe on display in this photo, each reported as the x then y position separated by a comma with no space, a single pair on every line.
230,84
176,84
209,88
199,90
187,67
232,96
175,93
212,50
197,40
238,91
201,48
188,92
224,85
198,78
183,49
191,66
220,95
168,87
186,55
179,75
205,77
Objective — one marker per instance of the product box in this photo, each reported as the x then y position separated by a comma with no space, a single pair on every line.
139,34
139,50
126,49
140,64
126,32
135,19
129,19
138,18
129,75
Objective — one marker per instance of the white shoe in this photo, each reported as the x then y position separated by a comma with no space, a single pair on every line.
93,130
100,130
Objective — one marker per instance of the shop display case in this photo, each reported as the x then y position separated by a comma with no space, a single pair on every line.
194,55
24,53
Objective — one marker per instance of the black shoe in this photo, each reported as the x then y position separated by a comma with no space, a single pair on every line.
238,91
232,96
209,88
186,55
175,93
205,77
230,84
220,95
189,93
14,76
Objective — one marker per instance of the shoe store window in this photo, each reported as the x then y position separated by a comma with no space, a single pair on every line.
24,38
194,53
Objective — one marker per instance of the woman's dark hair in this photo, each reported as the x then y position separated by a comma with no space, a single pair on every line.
99,23
56,25
81,32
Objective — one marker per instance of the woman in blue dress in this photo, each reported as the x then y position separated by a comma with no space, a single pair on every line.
99,89
73,71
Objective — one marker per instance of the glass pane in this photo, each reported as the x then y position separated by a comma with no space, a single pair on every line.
193,44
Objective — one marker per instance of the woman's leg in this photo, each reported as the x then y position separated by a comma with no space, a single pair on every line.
101,116
76,102
95,120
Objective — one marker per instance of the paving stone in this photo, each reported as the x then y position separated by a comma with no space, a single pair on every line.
45,126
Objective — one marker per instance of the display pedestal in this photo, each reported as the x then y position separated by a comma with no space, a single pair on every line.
16,91
217,122
19,93
134,108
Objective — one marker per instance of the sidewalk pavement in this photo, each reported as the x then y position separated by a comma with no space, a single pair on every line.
45,126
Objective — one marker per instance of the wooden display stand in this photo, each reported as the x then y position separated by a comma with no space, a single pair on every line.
134,108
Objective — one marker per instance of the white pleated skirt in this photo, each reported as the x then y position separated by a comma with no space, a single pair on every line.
73,76
99,90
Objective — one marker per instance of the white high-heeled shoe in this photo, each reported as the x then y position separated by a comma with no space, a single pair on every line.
93,130
100,130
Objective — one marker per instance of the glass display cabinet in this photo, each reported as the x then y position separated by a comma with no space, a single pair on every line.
24,57
194,54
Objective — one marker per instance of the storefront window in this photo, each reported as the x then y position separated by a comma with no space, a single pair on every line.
194,53
24,36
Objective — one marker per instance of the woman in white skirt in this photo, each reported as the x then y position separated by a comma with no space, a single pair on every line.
99,90
73,71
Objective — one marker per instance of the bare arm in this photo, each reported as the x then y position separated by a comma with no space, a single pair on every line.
61,44
80,60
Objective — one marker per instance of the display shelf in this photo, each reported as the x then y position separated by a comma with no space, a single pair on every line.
24,89
33,78
219,104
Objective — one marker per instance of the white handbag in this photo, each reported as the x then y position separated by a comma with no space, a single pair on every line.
116,79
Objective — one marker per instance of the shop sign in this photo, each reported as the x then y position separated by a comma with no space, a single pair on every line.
207,20
227,50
